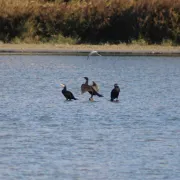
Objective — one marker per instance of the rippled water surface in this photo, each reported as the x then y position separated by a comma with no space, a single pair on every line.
44,137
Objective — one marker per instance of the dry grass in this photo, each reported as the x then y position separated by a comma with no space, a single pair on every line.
18,7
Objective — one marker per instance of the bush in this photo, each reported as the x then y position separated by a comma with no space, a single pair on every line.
90,21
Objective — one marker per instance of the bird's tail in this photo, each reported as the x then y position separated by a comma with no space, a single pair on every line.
100,95
75,98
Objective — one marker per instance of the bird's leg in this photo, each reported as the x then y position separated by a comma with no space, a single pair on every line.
112,99
91,98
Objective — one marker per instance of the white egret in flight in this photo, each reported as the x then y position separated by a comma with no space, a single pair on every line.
93,53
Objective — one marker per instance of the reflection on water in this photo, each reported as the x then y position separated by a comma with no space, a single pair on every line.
43,136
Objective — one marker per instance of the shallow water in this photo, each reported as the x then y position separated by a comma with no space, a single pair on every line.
42,136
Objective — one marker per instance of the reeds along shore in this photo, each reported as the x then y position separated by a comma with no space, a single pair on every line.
90,21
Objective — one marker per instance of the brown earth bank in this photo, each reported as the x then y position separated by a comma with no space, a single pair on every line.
121,49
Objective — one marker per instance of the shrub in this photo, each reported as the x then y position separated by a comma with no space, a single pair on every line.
90,21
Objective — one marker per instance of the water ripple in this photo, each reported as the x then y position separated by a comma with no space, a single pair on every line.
45,137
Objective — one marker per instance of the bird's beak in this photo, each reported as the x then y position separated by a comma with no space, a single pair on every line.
62,85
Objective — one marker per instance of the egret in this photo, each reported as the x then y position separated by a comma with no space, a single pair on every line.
93,53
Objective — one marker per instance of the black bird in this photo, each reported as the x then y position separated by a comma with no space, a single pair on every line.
67,94
92,89
115,92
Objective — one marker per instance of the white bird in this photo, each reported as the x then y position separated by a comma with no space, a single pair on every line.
93,53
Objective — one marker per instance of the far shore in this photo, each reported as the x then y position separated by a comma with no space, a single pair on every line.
66,49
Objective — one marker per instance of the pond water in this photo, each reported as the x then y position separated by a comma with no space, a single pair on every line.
44,137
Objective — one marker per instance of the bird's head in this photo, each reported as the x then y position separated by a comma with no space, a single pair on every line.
86,78
63,85
116,85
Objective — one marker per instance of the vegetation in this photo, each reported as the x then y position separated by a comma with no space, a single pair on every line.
90,21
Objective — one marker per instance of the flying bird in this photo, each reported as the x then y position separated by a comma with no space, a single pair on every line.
92,89
67,94
93,53
115,92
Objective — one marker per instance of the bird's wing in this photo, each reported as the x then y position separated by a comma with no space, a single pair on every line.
85,88
117,89
95,86
93,53
114,93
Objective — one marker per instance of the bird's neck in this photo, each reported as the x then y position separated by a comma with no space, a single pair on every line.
86,81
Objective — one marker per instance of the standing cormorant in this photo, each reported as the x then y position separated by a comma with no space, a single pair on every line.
92,89
67,94
115,92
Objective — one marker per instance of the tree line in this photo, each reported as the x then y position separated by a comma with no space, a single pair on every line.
90,21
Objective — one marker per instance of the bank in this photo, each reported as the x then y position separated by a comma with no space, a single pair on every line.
76,50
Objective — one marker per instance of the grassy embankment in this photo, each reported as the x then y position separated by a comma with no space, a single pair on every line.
90,22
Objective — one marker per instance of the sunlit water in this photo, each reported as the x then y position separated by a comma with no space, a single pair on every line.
44,137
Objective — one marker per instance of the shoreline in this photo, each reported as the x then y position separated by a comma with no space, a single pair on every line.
78,50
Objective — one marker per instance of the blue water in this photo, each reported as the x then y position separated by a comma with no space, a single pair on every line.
44,137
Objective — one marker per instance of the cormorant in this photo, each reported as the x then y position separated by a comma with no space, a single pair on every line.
67,94
115,92
92,89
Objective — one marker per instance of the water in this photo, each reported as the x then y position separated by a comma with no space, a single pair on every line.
44,137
